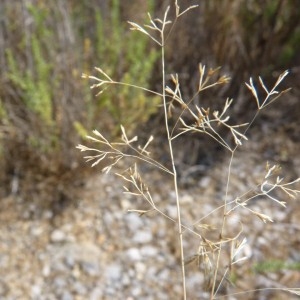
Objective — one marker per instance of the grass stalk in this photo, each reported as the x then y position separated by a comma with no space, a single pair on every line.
180,231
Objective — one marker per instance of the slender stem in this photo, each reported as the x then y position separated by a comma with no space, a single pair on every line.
180,230
214,291
133,86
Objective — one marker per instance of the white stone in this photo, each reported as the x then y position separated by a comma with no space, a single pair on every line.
57,236
134,254
142,237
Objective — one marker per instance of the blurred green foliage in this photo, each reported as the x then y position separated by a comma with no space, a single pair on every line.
35,84
275,266
125,61
47,106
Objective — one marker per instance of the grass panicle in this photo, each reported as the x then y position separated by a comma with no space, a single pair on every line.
195,119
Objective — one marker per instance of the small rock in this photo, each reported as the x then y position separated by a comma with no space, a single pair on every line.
60,282
70,261
163,275
36,291
125,280
172,211
58,236
46,270
134,254
205,181
79,288
48,214
113,272
91,269
96,294
142,237
186,199
140,269
67,296
126,204
36,230
4,289
149,251
108,218
136,291
134,221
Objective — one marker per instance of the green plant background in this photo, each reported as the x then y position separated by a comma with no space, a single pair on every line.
45,102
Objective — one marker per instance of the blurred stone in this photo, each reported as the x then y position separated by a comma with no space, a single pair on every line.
36,291
96,294
48,214
79,288
46,270
66,295
186,199
140,269
90,268
60,282
142,237
57,236
136,291
149,251
134,254
172,211
113,272
133,221
4,289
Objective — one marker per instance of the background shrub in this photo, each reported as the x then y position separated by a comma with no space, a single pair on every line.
45,105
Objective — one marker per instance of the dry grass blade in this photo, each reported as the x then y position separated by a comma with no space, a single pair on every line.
178,13
295,291
268,98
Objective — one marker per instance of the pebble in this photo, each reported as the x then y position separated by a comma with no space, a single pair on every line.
48,214
3,288
46,270
60,282
66,295
70,261
142,237
96,294
36,291
113,272
90,268
186,199
134,221
125,280
204,181
140,269
172,211
163,275
136,291
149,251
134,254
57,236
36,231
79,288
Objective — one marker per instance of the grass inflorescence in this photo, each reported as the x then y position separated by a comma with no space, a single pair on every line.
190,118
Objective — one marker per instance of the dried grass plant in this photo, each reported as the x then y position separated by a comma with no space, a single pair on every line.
204,121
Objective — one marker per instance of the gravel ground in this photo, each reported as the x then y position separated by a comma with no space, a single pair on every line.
94,249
